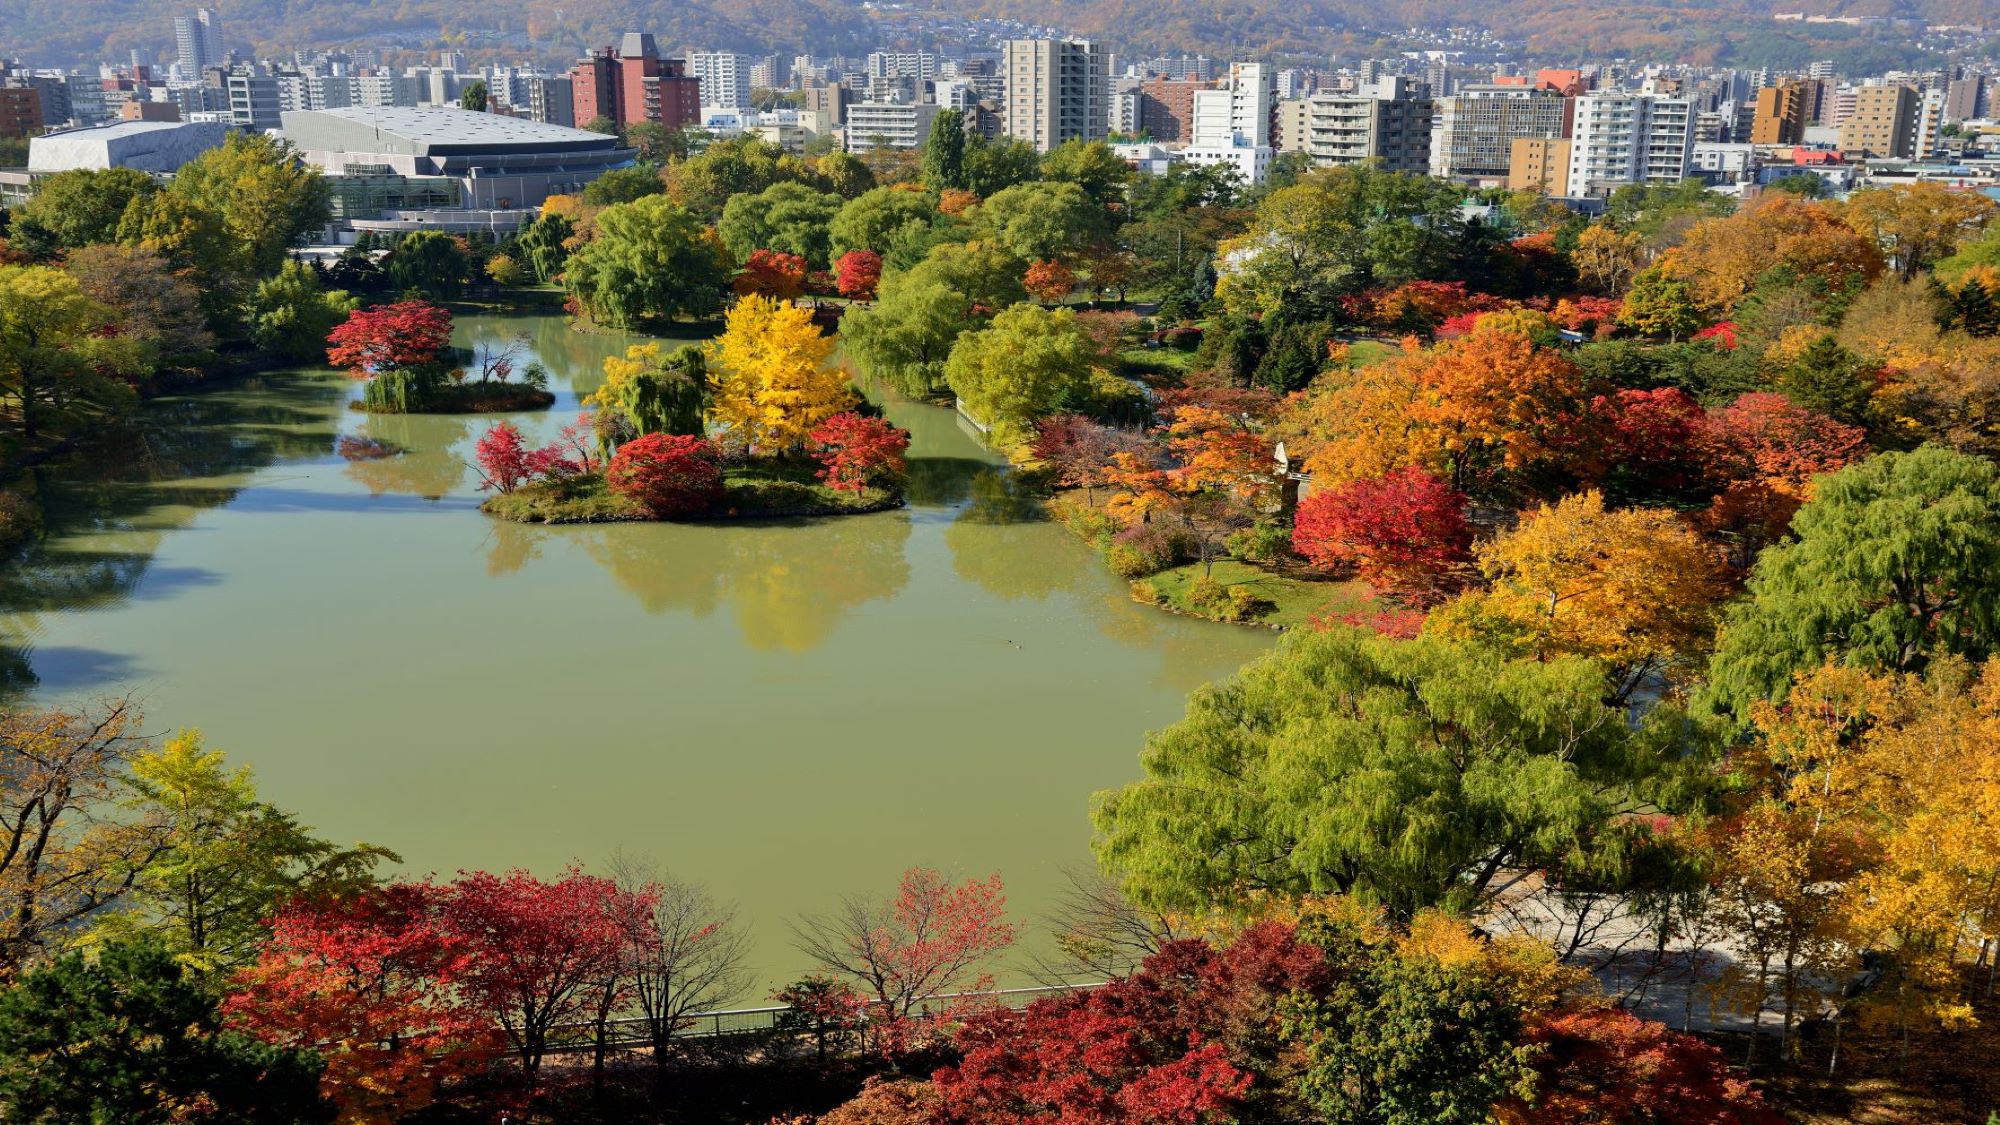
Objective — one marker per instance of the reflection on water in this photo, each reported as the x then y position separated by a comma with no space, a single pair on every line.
788,711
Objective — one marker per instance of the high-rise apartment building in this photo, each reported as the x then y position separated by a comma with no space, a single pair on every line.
826,103
1385,121
1966,98
1620,139
1780,115
1057,90
1929,136
1253,100
253,99
1476,128
724,78
1166,108
631,84
198,42
1883,123
550,101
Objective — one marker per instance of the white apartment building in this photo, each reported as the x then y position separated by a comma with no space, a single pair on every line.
1232,126
725,78
1620,139
873,125
1057,90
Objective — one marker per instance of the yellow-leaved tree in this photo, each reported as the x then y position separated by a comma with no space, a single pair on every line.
768,376
1632,587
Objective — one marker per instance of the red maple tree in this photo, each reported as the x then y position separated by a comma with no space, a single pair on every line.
1646,439
506,462
857,452
667,474
1080,449
910,952
1767,438
858,273
1405,533
773,273
407,334
1181,1041
1048,281
371,983
537,953
1610,1065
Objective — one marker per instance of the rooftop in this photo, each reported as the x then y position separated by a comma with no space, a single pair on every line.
424,127
118,130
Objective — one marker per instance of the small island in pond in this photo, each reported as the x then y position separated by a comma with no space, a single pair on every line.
766,431
403,353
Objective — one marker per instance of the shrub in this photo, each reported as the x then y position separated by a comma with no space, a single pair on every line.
1264,542
1145,549
1146,592
1090,525
1182,339
667,474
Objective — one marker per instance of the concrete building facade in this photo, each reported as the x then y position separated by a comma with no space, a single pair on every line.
1057,90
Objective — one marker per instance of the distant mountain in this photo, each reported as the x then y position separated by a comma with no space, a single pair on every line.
1742,31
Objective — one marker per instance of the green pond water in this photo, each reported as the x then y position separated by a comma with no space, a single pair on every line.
787,713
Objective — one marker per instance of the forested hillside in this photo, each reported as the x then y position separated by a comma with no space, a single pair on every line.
1705,31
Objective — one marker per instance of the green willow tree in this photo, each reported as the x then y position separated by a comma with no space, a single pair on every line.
544,245
899,225
1896,561
290,314
651,261
1410,773
906,336
430,263
1025,364
787,217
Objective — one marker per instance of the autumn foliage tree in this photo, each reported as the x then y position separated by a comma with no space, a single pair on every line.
1187,1038
857,273
857,452
667,474
774,274
1404,533
769,378
1603,1064
506,462
1048,281
370,983
535,950
402,350
1634,588
1722,259
933,937
400,337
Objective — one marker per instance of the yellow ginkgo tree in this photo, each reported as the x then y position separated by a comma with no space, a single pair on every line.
769,380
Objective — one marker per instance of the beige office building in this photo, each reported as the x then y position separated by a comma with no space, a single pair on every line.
1883,123
1539,164
1057,90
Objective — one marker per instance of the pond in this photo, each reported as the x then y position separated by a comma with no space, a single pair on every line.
787,713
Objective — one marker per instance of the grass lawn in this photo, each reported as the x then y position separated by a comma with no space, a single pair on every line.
762,489
1155,363
1293,600
1365,352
